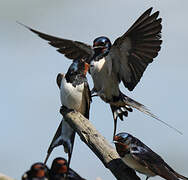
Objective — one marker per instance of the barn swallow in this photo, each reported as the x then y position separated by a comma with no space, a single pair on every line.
141,158
38,171
75,94
123,61
59,171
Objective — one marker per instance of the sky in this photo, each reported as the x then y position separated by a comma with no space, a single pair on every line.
29,95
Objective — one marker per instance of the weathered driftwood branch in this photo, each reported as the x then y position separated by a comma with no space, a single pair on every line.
99,145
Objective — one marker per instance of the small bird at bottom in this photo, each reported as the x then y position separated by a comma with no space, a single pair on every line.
38,171
141,158
59,171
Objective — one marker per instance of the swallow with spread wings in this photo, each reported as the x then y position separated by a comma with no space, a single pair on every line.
123,61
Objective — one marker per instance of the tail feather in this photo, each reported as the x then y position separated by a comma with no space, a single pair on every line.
70,150
119,112
64,136
55,142
134,104
181,177
175,173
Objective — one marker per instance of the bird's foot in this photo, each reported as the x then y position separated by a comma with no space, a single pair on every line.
63,110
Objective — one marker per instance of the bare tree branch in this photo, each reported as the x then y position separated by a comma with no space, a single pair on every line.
99,145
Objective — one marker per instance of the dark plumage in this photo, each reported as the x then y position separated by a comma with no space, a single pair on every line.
59,171
141,158
38,171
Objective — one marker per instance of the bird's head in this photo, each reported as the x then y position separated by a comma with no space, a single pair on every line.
122,142
59,166
101,46
38,170
79,66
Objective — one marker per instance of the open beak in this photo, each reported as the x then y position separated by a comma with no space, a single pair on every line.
97,47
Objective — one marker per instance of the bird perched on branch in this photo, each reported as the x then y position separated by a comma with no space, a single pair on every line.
141,158
75,94
38,171
123,61
59,171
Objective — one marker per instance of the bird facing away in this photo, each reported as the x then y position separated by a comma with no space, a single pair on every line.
75,94
141,158
38,171
59,171
123,61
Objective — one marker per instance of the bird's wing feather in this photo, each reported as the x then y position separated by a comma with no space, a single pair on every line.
145,155
71,49
87,96
133,51
152,161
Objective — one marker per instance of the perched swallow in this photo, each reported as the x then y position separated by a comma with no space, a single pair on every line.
38,171
141,158
59,171
75,94
124,61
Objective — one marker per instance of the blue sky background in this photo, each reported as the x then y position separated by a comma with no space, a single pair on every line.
30,97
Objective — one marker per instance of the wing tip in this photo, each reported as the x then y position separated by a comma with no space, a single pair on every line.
31,29
156,14
18,22
148,11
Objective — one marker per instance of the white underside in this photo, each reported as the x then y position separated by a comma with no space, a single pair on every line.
105,81
132,163
71,96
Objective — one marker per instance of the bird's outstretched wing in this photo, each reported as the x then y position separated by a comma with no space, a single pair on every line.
133,51
71,49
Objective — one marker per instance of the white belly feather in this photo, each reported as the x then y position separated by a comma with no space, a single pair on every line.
104,79
71,96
